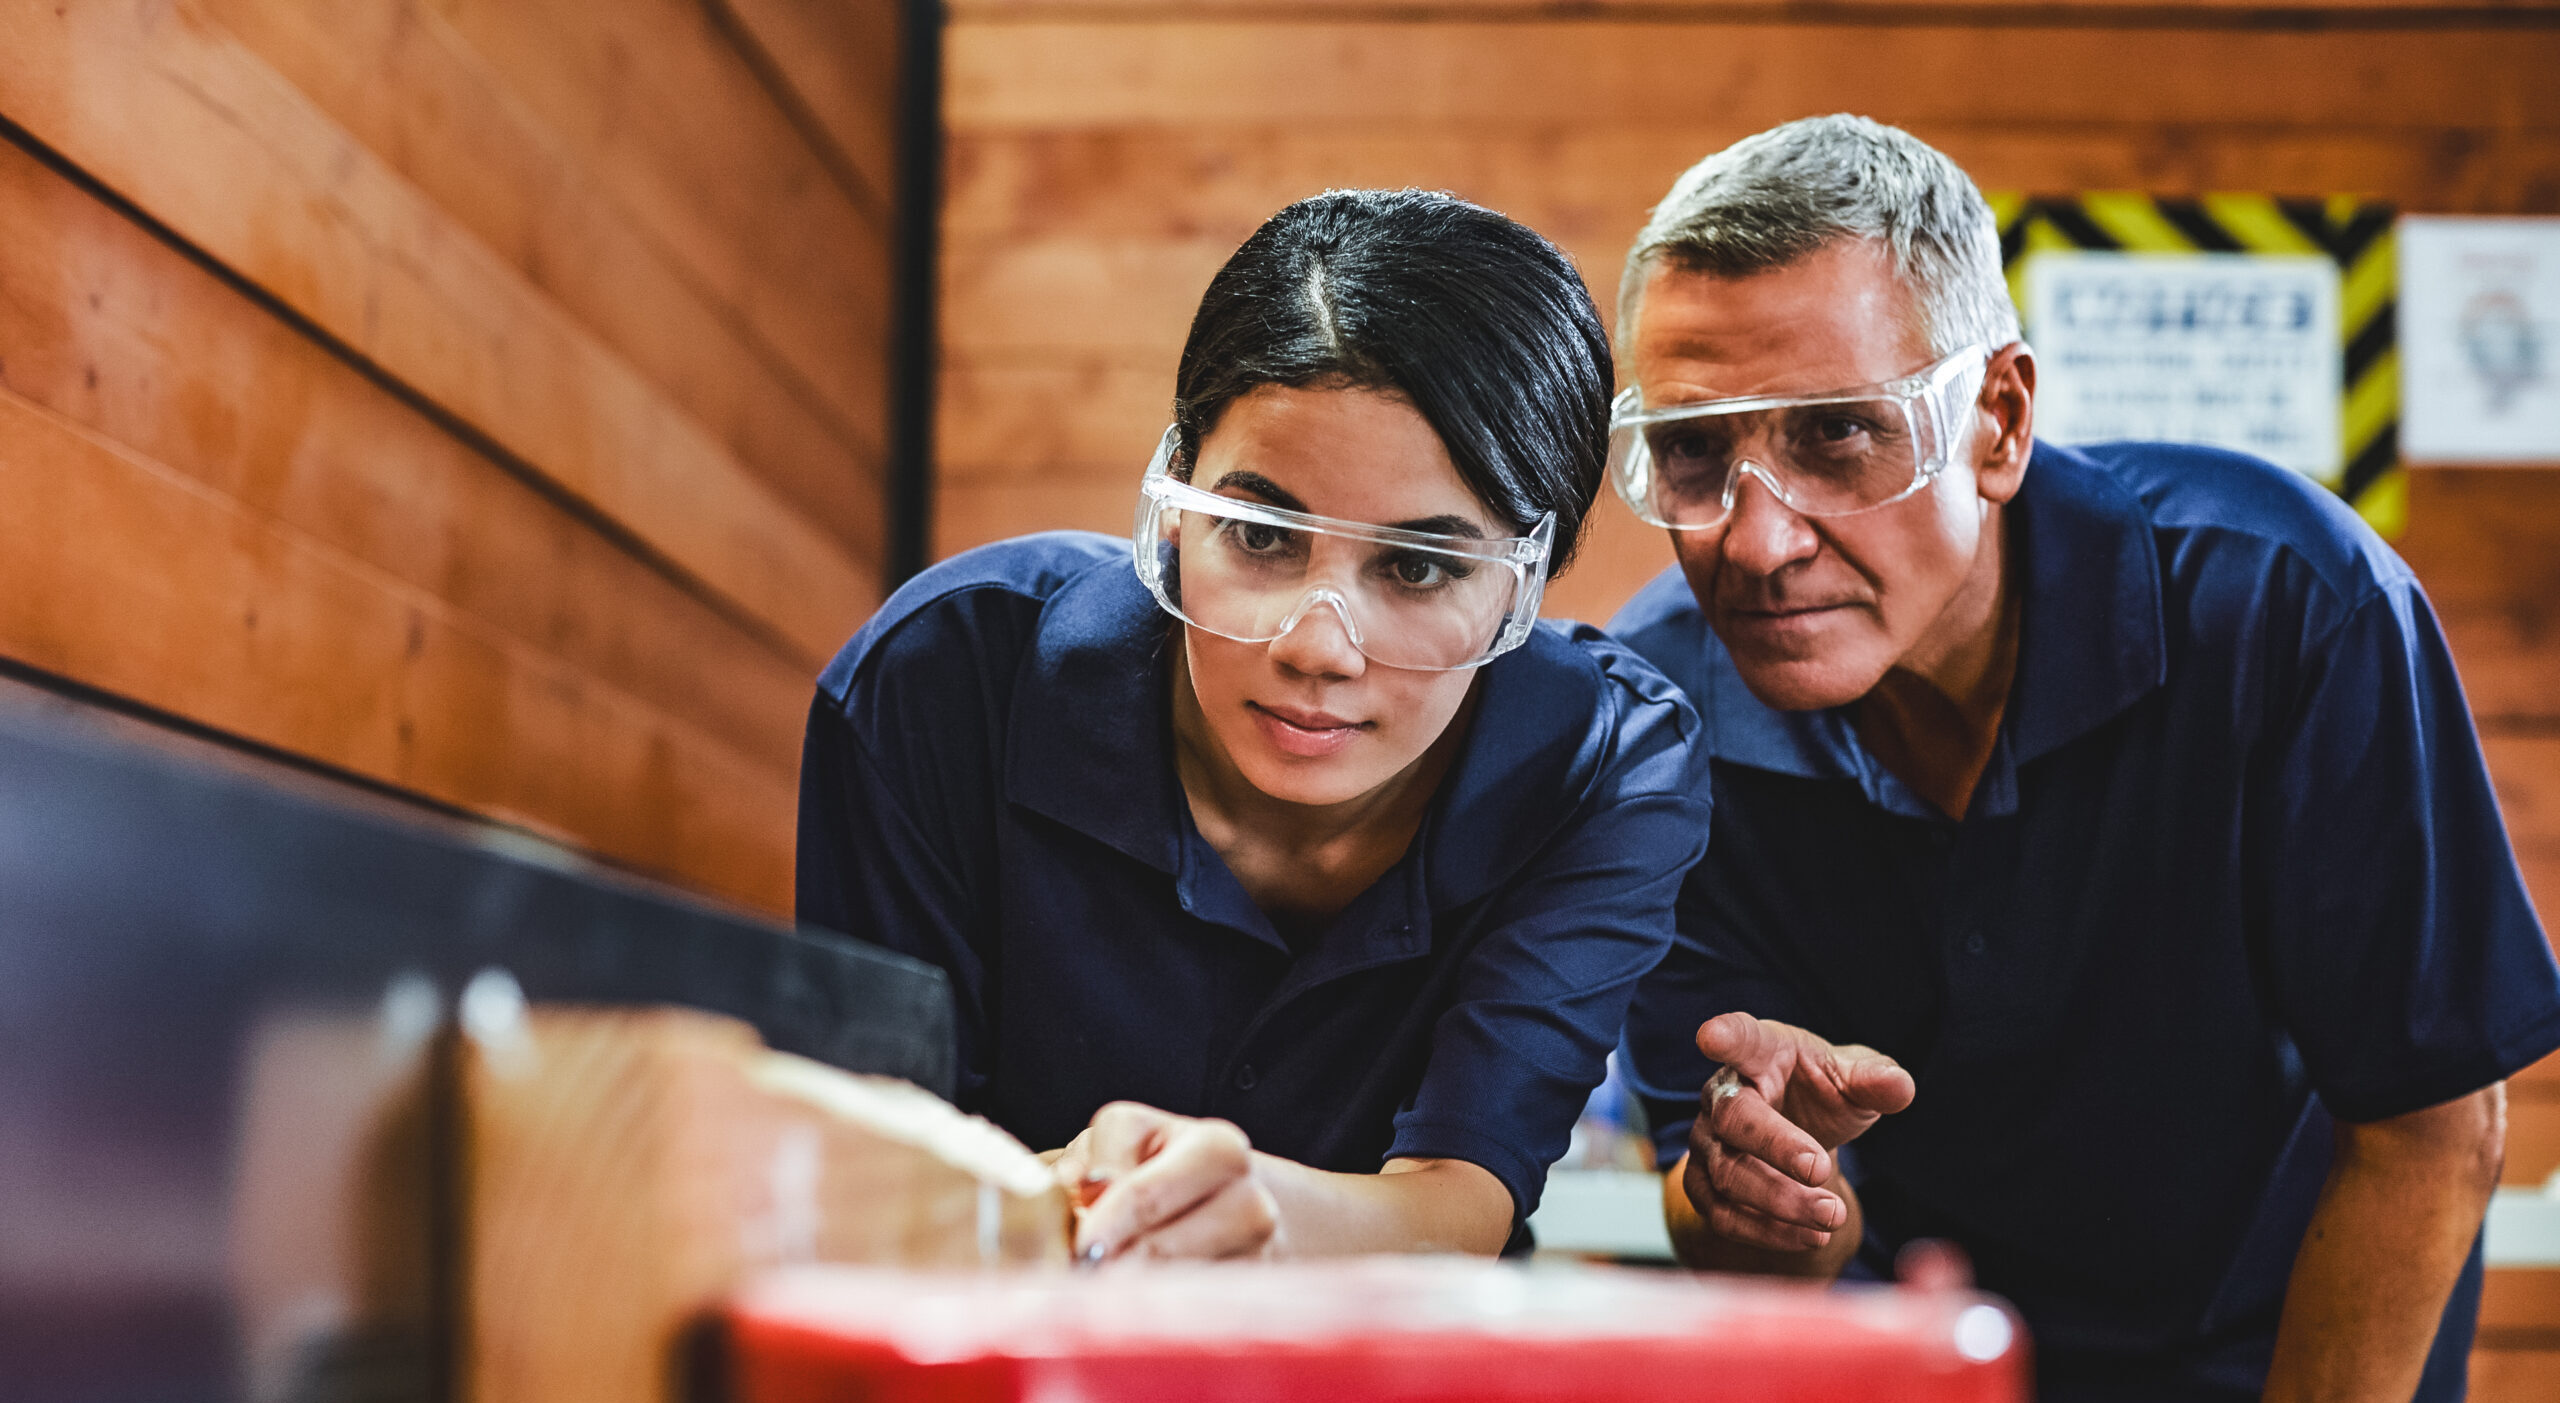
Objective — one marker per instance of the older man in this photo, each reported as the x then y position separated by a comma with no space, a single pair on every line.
2104,876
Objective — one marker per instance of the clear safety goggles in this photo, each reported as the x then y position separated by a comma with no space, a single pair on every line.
1830,454
1249,571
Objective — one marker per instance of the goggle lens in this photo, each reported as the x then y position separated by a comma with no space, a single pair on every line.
1403,606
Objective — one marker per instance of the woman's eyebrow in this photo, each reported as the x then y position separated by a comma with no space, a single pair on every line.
1246,480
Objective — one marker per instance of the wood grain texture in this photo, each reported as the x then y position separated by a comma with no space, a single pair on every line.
144,582
170,110
398,79
110,327
2515,1375
1197,72
2533,1134
656,100
624,1169
840,59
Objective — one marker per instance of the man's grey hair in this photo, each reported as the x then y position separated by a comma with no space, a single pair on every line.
1770,199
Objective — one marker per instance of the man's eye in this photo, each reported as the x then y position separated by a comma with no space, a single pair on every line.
1840,428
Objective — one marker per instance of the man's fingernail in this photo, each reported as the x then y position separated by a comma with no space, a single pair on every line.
1832,1215
1807,1166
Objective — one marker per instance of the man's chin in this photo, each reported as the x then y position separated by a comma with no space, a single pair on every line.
1802,684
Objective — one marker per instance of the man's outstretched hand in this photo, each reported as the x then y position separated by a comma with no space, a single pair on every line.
1760,1172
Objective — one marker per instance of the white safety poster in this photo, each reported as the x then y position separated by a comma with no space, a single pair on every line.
2480,340
2234,350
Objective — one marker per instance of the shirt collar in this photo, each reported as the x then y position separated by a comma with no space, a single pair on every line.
2091,643
1089,745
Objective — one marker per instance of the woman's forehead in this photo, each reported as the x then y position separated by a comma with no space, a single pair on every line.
1354,454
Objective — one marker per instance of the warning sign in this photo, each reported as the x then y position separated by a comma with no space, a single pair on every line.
2224,349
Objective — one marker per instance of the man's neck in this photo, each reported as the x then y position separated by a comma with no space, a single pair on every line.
1935,717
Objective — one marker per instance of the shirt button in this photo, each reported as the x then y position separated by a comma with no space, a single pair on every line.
1246,1077
1973,942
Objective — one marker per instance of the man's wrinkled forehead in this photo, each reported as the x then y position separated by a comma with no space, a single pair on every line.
1837,317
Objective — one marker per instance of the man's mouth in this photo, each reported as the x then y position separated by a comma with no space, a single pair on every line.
1310,734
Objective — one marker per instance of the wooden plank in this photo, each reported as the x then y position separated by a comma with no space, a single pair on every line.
2533,1137
653,98
1544,74
1038,421
110,327
626,1169
401,82
1598,182
143,582
842,61
2486,543
170,110
1979,11
2515,1375
2520,1298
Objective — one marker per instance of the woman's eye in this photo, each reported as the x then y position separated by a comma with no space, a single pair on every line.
1259,538
1422,572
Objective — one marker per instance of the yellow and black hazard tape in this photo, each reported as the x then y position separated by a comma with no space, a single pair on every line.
2356,233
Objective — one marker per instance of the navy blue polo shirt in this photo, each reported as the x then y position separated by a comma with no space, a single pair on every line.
2234,868
988,784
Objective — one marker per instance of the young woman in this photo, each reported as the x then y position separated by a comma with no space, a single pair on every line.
1292,883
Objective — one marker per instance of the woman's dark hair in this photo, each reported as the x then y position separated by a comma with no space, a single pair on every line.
1486,327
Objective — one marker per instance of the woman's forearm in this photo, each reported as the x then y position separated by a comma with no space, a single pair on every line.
1412,1205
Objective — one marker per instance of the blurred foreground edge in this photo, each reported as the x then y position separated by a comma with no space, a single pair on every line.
1386,1330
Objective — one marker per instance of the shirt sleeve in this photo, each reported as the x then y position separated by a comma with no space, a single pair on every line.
1540,1000
2403,955
897,772
1710,970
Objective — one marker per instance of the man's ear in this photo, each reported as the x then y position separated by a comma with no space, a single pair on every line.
2005,422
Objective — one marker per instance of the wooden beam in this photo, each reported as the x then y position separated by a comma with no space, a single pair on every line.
142,581
173,113
402,83
625,1170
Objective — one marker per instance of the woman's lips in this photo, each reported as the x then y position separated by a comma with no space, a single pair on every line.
1308,734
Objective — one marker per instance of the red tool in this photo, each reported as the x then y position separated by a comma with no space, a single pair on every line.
1382,1330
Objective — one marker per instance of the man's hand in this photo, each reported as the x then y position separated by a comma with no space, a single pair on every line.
1149,1183
1760,1173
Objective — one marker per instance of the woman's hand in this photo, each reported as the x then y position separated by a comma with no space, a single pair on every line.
1149,1183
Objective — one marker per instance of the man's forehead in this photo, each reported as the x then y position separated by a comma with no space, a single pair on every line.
1826,321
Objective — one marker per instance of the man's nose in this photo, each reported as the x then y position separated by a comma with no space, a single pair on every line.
1763,535
1319,643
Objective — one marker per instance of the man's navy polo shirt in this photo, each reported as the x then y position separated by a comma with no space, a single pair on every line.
2234,868
988,784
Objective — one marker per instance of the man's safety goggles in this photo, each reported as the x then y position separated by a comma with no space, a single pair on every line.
1249,571
1830,454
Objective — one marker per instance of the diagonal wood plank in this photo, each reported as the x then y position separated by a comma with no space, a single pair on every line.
841,59
654,99
400,81
109,326
162,105
189,602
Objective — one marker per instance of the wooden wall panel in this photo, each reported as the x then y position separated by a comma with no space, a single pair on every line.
487,400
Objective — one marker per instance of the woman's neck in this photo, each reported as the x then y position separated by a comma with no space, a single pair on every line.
1300,861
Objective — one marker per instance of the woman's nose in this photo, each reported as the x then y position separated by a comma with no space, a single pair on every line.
1320,642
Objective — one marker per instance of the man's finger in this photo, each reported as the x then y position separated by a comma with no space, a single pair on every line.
1749,1182
1744,1121
1741,1042
1740,1224
1198,1159
1236,1221
1871,1081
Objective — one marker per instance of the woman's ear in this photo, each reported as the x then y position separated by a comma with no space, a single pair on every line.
2006,415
